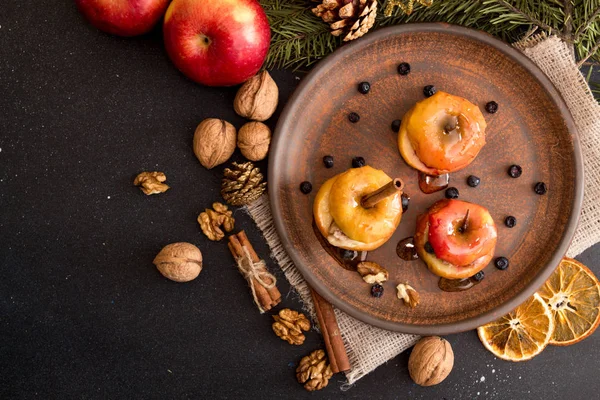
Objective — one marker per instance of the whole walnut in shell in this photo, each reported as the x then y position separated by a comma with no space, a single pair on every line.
253,140
180,262
214,142
257,98
431,361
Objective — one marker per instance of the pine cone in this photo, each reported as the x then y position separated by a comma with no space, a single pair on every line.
242,184
352,18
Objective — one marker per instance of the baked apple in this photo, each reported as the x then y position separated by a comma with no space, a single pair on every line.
342,217
456,239
442,133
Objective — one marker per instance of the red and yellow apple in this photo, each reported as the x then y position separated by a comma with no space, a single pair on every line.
441,134
123,17
457,248
217,42
344,222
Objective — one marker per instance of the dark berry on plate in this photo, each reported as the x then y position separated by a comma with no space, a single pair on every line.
479,276
364,87
452,193
377,290
405,200
429,90
491,107
510,221
348,254
328,161
396,125
473,181
306,187
429,248
540,188
358,162
404,68
353,117
515,171
501,263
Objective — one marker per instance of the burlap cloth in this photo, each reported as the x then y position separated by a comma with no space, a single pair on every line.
368,346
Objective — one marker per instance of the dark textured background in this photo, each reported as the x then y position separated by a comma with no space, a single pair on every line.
85,314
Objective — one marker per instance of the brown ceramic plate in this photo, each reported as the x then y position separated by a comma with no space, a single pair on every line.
532,128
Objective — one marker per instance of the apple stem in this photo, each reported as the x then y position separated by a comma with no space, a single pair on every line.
465,224
387,190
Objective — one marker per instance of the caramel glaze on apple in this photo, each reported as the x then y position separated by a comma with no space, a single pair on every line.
337,253
406,251
433,183
456,285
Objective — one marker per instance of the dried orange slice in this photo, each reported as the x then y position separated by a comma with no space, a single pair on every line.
573,295
521,334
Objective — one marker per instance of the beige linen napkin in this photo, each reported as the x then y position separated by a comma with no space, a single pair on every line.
368,346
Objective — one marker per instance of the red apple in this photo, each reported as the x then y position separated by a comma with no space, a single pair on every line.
457,246
123,17
456,250
217,42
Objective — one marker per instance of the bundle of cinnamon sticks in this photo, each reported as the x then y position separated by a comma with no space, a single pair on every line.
261,282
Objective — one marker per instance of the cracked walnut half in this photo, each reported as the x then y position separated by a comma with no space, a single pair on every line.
151,182
214,221
289,325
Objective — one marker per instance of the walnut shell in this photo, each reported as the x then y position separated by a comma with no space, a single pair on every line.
431,361
257,98
179,262
214,142
253,140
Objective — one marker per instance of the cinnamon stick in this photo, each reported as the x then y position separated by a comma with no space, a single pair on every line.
387,190
261,293
338,359
273,292
267,298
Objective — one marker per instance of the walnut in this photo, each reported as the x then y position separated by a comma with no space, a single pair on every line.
214,142
313,371
372,272
289,325
151,182
408,294
431,361
180,262
257,98
211,221
253,140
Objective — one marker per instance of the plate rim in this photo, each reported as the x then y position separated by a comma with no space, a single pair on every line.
572,222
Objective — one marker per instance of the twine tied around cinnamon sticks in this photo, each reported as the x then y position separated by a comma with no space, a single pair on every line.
255,270
262,283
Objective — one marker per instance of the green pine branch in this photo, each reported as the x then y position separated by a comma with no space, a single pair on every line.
299,38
